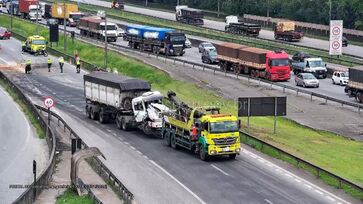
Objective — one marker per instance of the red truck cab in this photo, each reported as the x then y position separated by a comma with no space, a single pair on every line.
278,66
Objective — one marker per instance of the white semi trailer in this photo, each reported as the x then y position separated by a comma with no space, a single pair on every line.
128,101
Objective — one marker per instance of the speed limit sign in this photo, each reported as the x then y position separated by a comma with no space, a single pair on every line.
49,102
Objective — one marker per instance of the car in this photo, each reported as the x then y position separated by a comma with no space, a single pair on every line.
120,32
4,33
205,45
300,56
340,78
306,80
188,44
344,41
209,56
52,21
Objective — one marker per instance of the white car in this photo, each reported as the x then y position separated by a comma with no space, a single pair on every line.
188,44
340,78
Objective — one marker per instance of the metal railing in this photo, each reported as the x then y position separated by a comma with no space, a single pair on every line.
339,182
30,194
96,163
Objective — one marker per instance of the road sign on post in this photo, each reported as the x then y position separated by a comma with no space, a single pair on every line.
336,37
48,103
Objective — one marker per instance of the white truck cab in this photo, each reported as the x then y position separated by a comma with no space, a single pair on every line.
178,9
231,19
34,11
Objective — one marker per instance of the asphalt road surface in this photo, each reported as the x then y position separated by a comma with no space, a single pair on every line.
19,147
266,34
182,176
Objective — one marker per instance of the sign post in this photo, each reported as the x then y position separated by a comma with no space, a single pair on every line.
48,103
336,37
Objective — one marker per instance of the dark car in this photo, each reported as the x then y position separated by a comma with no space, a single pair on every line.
300,56
344,41
209,56
4,33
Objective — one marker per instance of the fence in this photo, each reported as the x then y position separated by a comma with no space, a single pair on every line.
325,175
96,163
30,194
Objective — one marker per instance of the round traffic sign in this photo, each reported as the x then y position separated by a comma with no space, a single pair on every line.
336,30
49,102
335,45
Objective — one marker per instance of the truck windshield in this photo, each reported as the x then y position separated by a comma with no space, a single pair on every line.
225,126
109,27
177,38
316,64
280,62
38,42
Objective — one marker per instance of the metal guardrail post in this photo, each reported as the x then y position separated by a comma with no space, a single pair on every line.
311,96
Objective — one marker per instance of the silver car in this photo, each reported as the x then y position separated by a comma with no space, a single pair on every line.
306,80
188,44
205,46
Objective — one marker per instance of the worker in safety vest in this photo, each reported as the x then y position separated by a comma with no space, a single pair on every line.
49,63
78,66
61,63
28,66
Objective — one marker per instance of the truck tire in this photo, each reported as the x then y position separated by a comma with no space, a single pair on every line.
94,115
173,140
88,112
202,154
359,97
167,137
232,156
118,122
124,125
126,103
102,118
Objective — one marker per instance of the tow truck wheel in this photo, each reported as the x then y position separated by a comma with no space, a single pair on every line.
202,154
118,122
173,140
93,115
167,137
232,156
124,125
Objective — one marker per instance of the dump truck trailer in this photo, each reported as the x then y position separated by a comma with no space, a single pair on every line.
354,88
286,31
70,13
202,130
233,25
158,40
190,16
271,65
94,27
127,101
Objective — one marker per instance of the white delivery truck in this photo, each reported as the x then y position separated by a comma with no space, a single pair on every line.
128,101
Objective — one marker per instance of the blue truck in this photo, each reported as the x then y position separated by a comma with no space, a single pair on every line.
158,40
13,7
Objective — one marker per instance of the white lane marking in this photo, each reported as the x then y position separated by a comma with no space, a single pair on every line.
126,143
330,198
146,157
139,152
180,183
277,168
220,170
132,147
297,180
260,160
321,193
288,175
268,201
307,185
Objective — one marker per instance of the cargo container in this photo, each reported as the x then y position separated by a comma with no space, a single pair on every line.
187,15
271,65
354,88
94,27
158,40
67,11
30,9
127,101
286,31
13,8
235,26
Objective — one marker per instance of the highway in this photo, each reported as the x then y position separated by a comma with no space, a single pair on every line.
149,168
265,34
19,147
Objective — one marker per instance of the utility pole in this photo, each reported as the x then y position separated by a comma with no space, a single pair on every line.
330,5
218,9
105,41
65,27
268,8
36,19
146,3
11,14
177,2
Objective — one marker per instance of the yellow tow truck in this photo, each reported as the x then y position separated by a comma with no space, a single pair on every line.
36,45
201,130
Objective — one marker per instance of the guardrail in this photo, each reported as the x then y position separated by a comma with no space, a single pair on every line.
95,163
338,181
30,194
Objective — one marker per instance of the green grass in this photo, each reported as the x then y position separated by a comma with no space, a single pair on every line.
332,152
70,197
25,109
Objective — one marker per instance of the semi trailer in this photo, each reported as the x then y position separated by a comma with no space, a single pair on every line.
233,25
65,12
316,66
187,15
13,8
270,65
354,88
286,31
30,9
202,130
127,101
95,27
158,40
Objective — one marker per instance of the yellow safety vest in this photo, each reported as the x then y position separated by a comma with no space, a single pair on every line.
49,61
78,63
28,62
61,60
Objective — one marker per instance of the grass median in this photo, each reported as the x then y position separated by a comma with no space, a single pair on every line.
70,197
332,152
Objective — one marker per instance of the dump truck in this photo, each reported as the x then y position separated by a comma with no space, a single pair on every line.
190,16
94,27
118,4
354,88
202,130
158,40
70,13
127,101
286,31
13,8
30,9
270,65
316,66
241,28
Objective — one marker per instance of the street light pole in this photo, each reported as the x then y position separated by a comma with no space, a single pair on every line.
37,13
177,2
65,28
218,9
11,14
105,41
146,3
330,5
268,8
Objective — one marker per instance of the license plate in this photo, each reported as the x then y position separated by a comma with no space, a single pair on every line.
226,149
320,76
